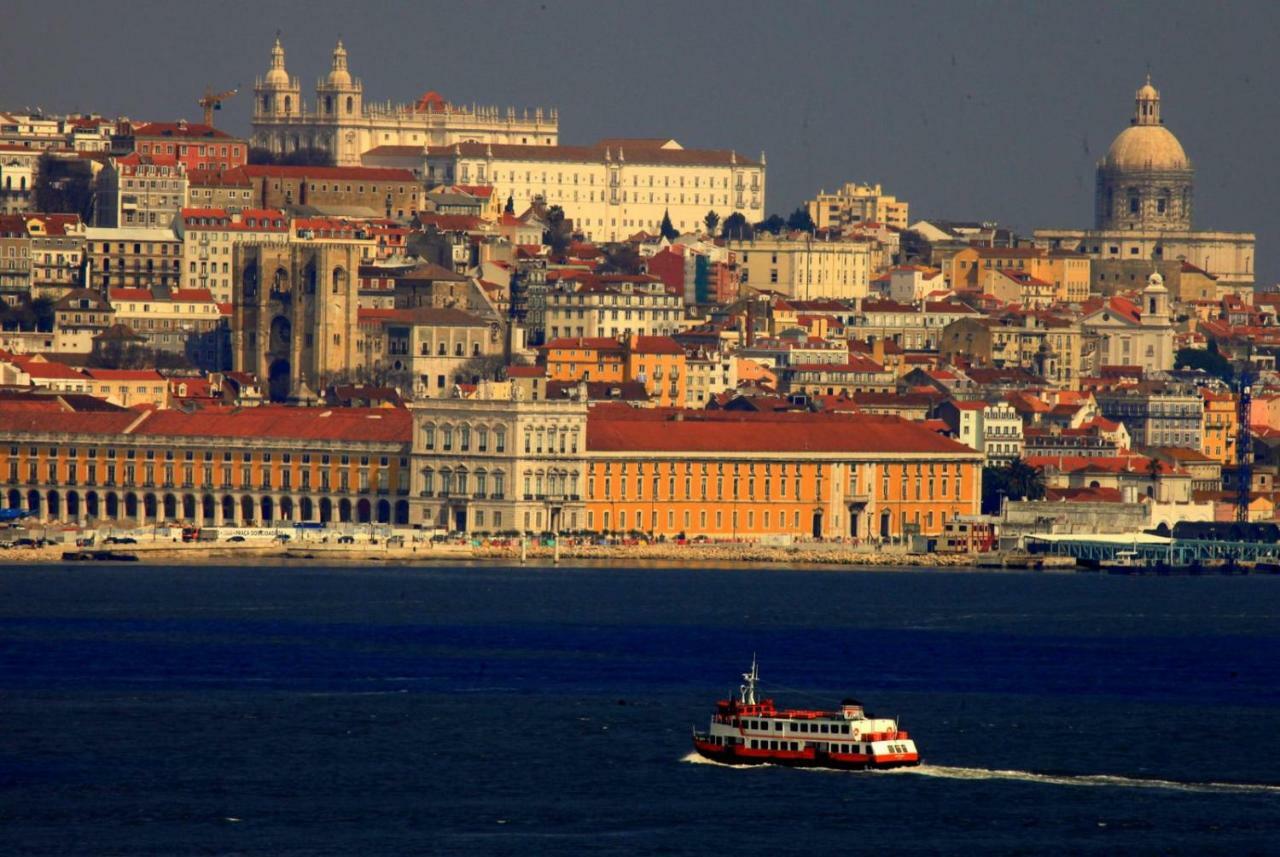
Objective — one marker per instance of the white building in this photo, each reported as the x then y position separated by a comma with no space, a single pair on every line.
804,268
342,123
614,305
610,191
495,462
1129,334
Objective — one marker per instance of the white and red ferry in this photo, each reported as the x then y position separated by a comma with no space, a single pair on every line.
747,731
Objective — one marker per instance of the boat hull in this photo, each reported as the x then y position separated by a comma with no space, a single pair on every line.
838,761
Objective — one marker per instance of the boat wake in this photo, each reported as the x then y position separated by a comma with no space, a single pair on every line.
946,772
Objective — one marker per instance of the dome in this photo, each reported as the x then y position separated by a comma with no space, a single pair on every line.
1146,147
338,75
277,76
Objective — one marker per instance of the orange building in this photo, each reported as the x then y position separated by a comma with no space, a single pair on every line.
219,466
1221,426
658,362
722,475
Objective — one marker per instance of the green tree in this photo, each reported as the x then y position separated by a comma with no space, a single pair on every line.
310,156
736,227
666,229
773,223
800,221
511,204
621,259
558,231
1207,359
1016,480
63,186
42,309
711,220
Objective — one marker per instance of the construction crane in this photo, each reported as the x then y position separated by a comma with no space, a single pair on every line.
1244,438
213,101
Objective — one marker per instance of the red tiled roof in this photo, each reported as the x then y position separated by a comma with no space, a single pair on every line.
124,375
128,294
351,424
669,430
179,129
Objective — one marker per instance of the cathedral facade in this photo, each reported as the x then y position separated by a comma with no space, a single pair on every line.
340,122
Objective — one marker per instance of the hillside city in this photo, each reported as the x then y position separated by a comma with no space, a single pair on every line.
441,317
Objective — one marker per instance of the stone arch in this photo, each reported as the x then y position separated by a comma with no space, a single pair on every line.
280,281
92,505
228,509
281,335
54,504
402,511
209,508
306,509
339,280
34,504
279,379
112,506
188,507
328,104
15,499
326,510
73,504
364,510
351,105
246,509
286,508
149,507
344,510
288,108
170,506
384,512
268,510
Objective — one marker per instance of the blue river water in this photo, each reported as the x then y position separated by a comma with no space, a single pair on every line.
295,710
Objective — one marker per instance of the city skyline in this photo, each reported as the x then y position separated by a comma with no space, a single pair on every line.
953,131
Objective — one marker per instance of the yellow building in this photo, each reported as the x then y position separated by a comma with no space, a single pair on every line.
610,191
804,268
768,476
1221,426
857,203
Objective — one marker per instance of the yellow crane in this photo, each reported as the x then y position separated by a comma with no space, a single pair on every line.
213,101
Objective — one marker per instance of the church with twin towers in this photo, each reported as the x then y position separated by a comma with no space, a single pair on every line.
341,122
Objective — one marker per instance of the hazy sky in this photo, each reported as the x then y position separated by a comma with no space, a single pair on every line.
994,111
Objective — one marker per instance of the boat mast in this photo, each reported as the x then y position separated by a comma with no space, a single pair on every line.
748,690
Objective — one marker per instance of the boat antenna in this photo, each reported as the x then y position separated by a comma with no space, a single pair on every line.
748,690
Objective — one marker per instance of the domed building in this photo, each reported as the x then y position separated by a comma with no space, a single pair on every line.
1146,179
1143,219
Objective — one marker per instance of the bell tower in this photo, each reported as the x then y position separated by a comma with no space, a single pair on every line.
339,105
277,96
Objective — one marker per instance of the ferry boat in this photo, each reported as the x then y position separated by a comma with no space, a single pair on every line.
751,731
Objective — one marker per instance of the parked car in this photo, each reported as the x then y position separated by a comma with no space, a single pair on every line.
395,541
236,539
346,540
281,538
119,540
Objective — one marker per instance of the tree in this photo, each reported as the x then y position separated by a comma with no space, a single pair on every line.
558,231
800,221
621,259
309,156
736,227
63,186
42,308
666,229
481,367
511,204
1016,480
773,223
712,220
1208,360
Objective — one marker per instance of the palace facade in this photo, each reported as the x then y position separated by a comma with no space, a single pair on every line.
342,123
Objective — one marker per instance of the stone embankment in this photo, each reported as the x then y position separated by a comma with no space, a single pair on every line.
712,553
728,552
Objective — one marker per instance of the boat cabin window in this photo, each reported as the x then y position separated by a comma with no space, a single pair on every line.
794,727
823,728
